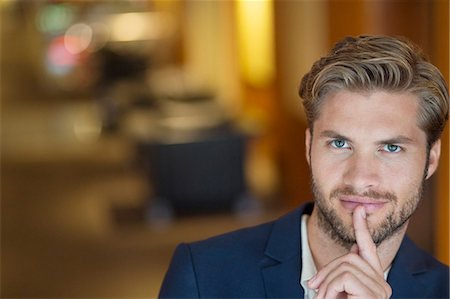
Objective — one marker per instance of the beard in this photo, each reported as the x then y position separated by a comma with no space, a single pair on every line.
333,225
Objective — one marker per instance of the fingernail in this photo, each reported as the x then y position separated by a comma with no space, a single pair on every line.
363,213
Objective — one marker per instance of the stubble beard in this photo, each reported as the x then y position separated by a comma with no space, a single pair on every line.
331,223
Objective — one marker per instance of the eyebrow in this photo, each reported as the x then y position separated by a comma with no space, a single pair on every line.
395,140
333,134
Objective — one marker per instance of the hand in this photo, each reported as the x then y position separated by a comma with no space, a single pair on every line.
359,273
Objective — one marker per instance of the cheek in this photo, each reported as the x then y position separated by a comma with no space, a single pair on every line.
404,182
327,172
406,172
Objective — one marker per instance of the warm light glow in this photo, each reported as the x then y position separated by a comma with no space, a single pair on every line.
78,38
87,125
256,40
140,26
100,36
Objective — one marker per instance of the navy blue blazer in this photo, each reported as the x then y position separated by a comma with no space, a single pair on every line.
265,261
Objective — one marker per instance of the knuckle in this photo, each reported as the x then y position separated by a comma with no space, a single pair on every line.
347,275
388,291
346,259
345,265
351,257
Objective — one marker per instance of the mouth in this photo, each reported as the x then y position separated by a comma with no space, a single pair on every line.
371,205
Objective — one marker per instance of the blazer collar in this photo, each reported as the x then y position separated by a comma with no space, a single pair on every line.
281,267
408,262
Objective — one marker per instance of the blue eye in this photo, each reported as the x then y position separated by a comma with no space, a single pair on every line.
339,143
392,148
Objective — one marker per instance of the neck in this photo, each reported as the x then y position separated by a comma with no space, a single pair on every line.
324,249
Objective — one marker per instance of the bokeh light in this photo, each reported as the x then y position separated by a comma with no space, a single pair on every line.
60,61
55,18
78,38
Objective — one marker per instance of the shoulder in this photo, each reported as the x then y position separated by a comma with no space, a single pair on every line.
253,242
216,267
433,270
434,275
418,272
419,260
242,240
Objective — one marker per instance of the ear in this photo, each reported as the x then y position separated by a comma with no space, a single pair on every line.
308,140
433,162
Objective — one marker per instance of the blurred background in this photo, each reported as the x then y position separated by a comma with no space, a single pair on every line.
130,126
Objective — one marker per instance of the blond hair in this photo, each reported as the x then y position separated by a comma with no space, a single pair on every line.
370,63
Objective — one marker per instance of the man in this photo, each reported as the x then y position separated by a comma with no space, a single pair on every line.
375,109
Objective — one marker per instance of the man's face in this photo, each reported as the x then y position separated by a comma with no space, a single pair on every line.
367,149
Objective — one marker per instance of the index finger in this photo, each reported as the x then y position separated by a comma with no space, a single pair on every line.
366,246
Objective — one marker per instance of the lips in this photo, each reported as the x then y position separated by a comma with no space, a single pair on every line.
370,205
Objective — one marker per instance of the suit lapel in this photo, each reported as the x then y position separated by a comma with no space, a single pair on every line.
407,263
282,266
283,280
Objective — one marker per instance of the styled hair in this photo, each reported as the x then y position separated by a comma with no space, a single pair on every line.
374,63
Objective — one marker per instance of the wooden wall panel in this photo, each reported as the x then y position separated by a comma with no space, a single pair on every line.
440,56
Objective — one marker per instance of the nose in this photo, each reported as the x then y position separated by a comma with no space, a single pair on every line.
362,171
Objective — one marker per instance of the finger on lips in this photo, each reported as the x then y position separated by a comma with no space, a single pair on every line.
366,247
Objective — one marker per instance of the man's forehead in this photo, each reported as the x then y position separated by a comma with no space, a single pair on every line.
375,103
374,113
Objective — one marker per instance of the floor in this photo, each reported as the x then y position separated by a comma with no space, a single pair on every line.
72,227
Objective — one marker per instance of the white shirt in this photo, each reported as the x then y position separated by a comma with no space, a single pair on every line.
308,266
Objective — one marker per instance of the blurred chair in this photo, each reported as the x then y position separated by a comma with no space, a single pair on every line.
198,176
